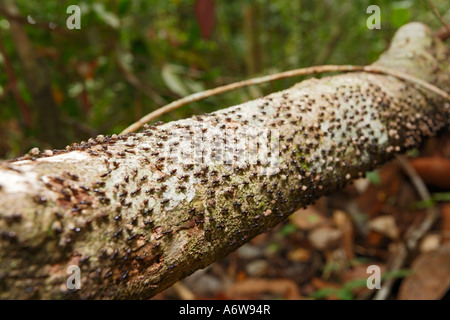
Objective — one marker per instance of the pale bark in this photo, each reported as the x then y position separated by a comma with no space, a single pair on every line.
136,221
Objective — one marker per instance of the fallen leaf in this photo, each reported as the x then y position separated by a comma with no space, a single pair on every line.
430,242
257,268
300,255
241,276
430,278
252,288
374,238
434,170
307,219
384,225
325,238
374,198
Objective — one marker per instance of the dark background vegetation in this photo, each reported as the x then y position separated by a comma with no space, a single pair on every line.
132,56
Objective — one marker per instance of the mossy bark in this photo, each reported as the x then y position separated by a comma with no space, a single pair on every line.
138,212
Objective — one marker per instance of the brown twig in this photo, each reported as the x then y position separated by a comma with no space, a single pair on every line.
282,75
414,233
438,15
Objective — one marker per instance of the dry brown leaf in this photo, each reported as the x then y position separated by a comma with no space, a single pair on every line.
252,288
241,276
300,255
373,200
430,279
374,238
257,268
430,242
307,219
384,225
325,238
434,170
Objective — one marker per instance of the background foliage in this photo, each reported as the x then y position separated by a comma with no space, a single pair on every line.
132,56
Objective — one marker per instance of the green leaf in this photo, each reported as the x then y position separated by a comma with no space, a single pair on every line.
313,218
333,266
396,274
345,294
75,89
194,86
373,177
442,196
170,75
401,13
4,24
358,261
124,6
435,197
356,283
413,153
322,293
424,204
273,248
288,229
108,17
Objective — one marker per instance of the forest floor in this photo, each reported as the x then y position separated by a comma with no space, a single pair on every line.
324,251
